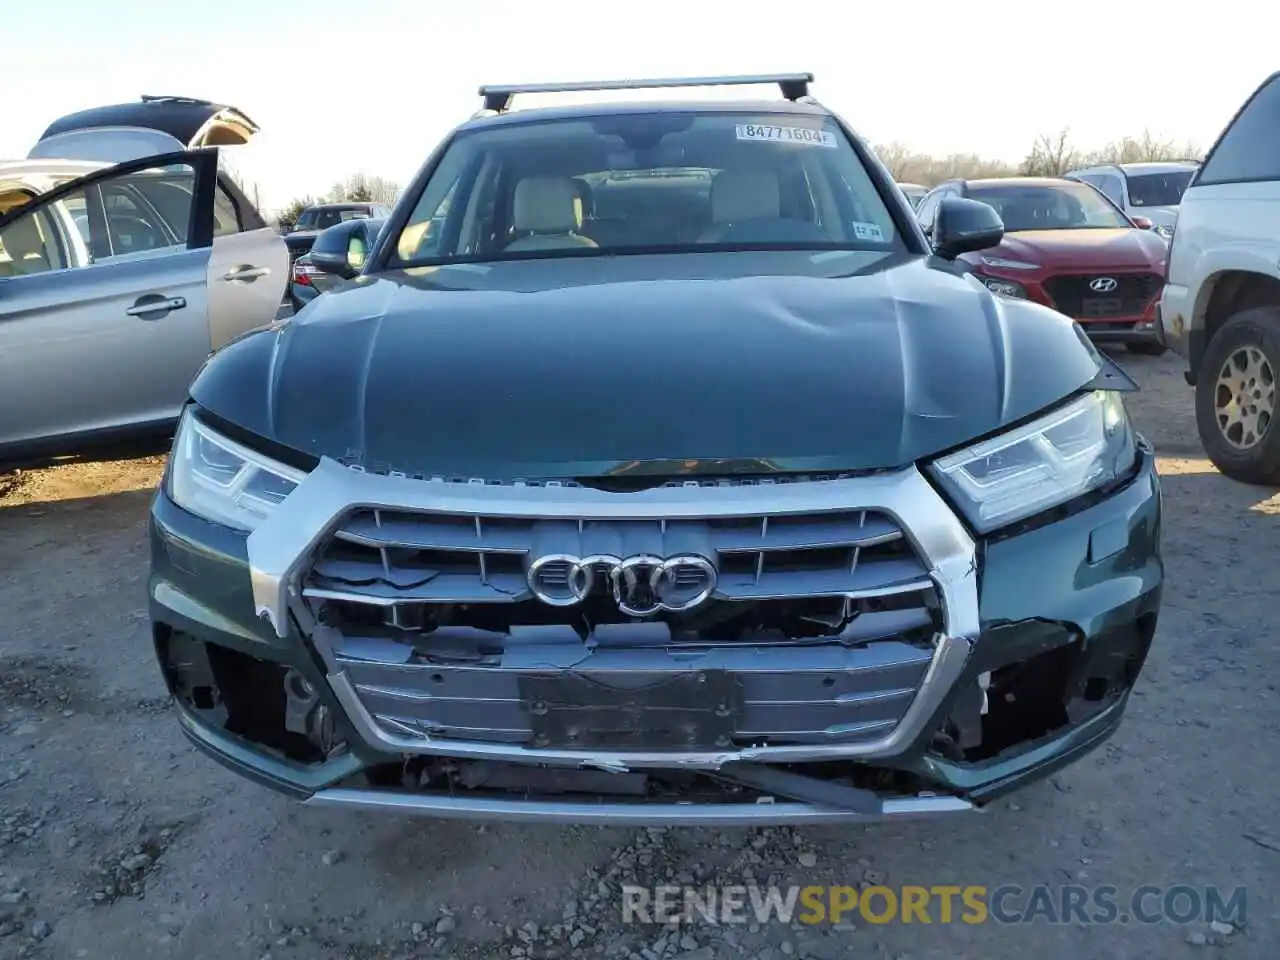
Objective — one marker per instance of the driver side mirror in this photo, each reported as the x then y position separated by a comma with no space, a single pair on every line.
964,226
341,250
1142,223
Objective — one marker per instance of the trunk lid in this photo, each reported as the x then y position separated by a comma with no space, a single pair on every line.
147,127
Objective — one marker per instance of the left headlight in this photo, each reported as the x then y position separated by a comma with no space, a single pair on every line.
222,481
1078,448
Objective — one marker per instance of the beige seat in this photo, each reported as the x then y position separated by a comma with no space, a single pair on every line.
24,247
548,215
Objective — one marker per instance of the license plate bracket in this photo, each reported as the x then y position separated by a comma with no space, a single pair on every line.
689,710
1101,308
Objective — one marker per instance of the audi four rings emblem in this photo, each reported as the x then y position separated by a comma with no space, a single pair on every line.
642,585
1104,284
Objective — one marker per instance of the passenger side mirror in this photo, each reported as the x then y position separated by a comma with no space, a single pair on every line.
341,249
1142,223
964,226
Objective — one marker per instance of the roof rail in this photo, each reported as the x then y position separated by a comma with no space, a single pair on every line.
497,98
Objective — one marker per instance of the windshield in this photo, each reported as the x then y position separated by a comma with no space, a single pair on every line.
1158,189
1057,206
646,183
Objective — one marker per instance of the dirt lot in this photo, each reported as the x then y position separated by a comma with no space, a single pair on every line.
117,840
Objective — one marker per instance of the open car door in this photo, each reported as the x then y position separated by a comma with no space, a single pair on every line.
104,300
249,261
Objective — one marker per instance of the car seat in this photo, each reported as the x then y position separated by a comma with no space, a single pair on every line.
25,248
548,212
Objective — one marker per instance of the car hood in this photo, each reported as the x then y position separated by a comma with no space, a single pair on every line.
1101,249
726,363
1159,216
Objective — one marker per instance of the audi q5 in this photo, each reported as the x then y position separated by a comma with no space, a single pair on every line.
654,467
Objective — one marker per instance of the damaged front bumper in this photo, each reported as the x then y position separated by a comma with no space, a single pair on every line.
1041,635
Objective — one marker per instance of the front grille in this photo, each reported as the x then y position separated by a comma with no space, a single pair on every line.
818,628
1134,292
386,557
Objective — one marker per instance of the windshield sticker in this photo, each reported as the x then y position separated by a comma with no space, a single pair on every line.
868,231
801,135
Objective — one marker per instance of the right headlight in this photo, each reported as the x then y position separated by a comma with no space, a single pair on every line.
1080,447
224,481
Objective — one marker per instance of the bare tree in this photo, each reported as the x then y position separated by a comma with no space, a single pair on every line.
1051,155
362,188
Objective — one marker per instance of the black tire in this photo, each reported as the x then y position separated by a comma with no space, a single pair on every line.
1251,341
1148,348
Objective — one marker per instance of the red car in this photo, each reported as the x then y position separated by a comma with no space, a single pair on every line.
1067,246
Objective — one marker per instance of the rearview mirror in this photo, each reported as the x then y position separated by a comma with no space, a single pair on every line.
341,249
1142,223
964,226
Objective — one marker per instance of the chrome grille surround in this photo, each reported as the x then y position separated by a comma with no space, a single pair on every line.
283,549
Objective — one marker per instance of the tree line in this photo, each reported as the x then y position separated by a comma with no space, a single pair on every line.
1051,155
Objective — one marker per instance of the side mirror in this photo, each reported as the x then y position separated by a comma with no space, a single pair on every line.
1142,223
964,226
341,249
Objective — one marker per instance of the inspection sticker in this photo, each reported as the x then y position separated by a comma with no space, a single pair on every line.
801,135
867,231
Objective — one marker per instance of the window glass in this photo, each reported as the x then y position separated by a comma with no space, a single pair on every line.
1250,147
129,215
645,183
1058,206
1112,187
33,243
226,218
149,210
1158,189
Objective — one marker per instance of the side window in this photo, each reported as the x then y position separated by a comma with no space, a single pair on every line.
120,217
36,243
149,210
132,227
226,215
1249,149
1113,188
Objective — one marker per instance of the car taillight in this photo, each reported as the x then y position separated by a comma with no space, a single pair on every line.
302,274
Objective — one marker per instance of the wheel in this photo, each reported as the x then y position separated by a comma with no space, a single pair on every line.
1236,397
1148,348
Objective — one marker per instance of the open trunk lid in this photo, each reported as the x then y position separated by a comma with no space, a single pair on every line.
147,127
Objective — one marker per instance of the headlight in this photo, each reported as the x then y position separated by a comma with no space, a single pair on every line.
1165,230
1006,288
1003,264
1078,448
219,480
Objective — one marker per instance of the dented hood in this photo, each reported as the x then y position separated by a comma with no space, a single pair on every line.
147,127
656,364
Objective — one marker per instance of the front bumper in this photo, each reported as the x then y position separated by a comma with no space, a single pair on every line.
1089,614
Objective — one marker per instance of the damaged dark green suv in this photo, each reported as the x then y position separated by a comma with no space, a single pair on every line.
655,468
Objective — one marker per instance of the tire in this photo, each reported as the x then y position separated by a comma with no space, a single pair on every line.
1245,354
1147,348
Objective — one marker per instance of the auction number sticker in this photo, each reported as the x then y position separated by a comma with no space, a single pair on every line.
801,135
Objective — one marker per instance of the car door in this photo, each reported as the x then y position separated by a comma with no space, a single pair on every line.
103,301
248,266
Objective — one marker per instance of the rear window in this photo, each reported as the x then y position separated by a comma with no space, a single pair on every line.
647,183
1249,149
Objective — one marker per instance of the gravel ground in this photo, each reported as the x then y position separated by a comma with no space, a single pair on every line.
117,840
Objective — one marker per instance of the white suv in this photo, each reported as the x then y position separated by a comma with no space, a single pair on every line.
1220,309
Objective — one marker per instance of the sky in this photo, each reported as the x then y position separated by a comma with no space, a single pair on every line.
373,85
